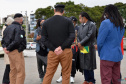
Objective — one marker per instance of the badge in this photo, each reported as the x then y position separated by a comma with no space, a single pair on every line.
21,36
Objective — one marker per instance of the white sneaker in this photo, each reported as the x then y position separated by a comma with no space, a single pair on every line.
72,79
59,80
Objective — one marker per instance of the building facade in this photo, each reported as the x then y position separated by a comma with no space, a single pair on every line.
0,20
25,21
32,23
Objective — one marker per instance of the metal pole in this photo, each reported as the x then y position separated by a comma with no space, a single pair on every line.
26,25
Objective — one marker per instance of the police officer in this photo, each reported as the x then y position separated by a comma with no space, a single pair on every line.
13,43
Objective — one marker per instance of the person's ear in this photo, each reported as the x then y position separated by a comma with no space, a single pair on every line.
83,19
54,10
63,12
74,22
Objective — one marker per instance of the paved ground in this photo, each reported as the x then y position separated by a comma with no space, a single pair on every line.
32,74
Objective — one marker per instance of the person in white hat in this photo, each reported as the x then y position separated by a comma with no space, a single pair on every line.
6,59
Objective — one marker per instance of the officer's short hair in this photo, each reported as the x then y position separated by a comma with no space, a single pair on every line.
59,8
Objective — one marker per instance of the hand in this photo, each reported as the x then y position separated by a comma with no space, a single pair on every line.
6,51
38,37
58,50
80,46
95,47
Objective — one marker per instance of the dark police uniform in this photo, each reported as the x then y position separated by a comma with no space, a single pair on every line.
14,37
15,41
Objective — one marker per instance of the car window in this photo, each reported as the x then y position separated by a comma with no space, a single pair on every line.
28,43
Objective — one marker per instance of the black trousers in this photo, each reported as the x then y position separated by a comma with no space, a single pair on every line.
6,74
74,60
41,66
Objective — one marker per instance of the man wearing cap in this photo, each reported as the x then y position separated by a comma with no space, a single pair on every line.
74,49
13,43
75,52
58,35
74,20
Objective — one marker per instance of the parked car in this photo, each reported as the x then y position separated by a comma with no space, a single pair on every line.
31,45
124,43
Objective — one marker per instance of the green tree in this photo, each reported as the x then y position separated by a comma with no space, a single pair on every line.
44,12
1,26
122,9
95,13
24,26
71,9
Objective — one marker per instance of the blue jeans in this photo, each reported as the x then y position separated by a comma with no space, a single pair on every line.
89,75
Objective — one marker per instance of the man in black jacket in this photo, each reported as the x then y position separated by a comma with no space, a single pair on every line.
13,43
58,35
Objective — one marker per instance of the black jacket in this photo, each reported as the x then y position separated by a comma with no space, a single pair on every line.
14,37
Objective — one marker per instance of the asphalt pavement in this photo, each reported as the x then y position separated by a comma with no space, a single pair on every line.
32,76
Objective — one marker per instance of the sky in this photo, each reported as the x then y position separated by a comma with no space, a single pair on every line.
8,7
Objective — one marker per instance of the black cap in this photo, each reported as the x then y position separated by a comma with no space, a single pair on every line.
41,19
18,15
60,6
73,18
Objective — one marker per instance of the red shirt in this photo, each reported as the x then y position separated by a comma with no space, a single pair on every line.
122,46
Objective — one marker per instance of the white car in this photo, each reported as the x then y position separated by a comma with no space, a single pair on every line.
31,45
124,43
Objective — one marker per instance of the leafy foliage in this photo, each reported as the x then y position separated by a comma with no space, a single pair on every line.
1,26
24,26
44,12
72,9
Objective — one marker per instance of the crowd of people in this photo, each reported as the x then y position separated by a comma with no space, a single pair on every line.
61,40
